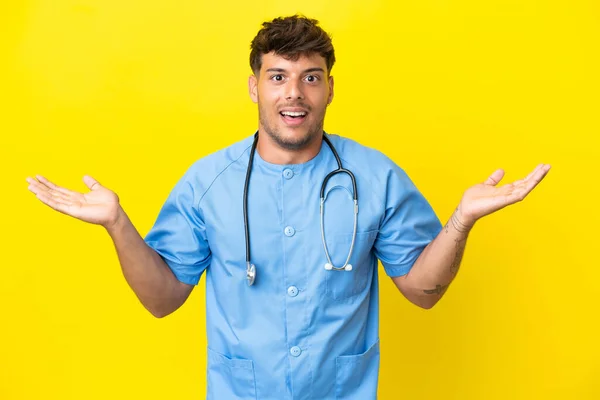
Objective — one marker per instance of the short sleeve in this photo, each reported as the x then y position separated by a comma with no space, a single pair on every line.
179,234
408,226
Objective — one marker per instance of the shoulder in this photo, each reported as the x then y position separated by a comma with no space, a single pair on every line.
365,160
204,172
214,164
381,176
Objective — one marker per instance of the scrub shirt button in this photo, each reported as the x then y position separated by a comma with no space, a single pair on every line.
288,173
289,231
295,351
293,291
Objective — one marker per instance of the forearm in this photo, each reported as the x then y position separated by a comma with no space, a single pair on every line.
145,271
437,265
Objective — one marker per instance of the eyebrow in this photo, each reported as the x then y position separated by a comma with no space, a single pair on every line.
315,69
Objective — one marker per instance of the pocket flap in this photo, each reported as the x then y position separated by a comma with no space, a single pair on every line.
357,375
355,358
216,357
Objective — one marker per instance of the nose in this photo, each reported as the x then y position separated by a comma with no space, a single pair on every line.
294,90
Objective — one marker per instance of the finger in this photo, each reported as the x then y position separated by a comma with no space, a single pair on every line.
526,182
46,182
60,200
536,169
91,183
54,186
537,177
37,188
52,203
519,193
495,178
520,181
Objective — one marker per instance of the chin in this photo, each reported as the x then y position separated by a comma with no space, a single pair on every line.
294,138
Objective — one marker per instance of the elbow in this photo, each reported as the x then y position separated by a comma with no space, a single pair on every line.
158,312
415,294
162,306
426,305
425,301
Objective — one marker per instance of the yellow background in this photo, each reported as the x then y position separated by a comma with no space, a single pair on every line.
132,92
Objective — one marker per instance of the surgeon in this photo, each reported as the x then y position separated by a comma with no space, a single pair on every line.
288,226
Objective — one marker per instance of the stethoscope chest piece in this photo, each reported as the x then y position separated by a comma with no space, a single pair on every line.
250,274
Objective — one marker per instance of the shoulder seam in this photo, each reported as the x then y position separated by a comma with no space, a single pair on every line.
382,201
219,174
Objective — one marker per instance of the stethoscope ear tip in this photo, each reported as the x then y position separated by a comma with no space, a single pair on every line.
329,267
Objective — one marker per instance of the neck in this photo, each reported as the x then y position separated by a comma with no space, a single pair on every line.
273,153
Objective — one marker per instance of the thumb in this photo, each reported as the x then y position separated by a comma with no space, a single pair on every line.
495,177
91,183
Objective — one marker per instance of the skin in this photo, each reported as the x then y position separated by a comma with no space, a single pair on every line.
438,264
283,84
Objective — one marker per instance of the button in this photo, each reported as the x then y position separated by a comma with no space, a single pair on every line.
293,291
289,231
295,351
288,173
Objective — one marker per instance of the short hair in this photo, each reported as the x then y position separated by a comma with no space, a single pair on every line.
291,37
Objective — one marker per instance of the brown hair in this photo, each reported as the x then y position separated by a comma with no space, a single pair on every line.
291,37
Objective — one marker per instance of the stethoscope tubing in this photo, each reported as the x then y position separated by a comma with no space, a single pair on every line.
250,268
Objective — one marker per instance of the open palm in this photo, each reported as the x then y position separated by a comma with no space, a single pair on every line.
99,206
486,198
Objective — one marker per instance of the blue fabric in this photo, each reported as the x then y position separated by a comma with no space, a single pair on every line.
320,339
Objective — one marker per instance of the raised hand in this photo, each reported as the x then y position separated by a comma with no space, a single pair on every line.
486,198
99,206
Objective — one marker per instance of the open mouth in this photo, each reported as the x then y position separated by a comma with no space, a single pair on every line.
293,117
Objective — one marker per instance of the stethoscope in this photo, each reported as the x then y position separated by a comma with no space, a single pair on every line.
251,268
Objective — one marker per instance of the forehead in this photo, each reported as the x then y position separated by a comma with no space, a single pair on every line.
304,62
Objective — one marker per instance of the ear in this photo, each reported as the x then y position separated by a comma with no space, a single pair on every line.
330,81
253,88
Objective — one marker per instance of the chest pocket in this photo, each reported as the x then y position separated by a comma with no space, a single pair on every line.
347,284
338,227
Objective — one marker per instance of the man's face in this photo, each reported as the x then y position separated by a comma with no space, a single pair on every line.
292,98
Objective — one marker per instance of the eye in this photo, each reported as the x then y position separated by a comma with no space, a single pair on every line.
312,78
277,78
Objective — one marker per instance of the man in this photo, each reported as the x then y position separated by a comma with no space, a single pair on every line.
297,319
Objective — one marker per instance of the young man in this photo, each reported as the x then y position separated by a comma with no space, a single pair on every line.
290,253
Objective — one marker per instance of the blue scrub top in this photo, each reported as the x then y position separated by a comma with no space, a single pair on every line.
301,331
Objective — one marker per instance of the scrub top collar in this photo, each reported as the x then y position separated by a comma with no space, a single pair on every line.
307,166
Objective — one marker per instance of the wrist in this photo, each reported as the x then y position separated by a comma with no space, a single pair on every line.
461,222
116,223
